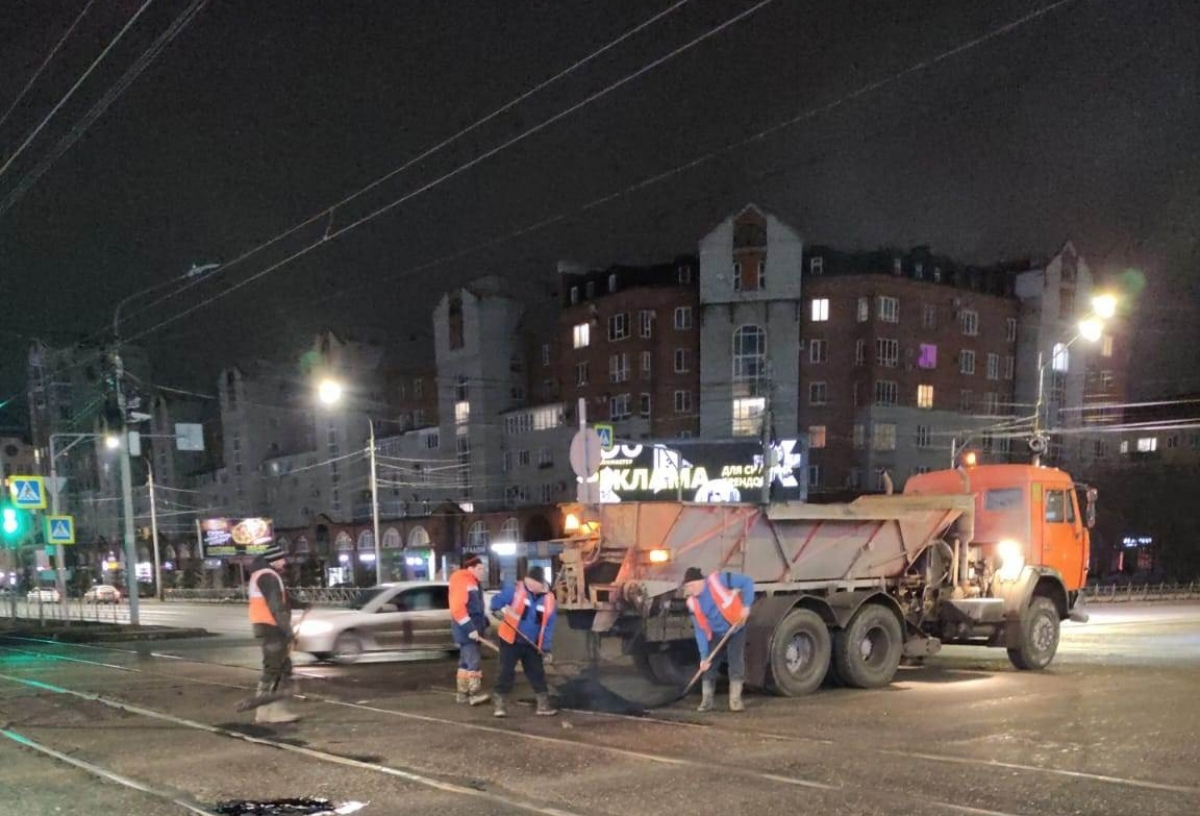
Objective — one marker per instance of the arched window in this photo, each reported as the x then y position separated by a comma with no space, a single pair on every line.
343,542
284,543
185,552
392,539
478,537
418,538
510,531
366,540
302,546
749,369
169,553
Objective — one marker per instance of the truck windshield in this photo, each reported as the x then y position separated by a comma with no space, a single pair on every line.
1004,499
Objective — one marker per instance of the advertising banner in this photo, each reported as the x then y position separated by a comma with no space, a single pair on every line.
702,471
230,538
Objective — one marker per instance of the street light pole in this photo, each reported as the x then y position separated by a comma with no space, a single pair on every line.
59,553
158,587
380,576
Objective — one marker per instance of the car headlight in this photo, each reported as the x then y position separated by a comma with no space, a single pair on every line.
660,556
1012,559
312,628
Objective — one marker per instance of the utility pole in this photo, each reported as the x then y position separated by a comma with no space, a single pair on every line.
60,555
1037,409
158,587
380,571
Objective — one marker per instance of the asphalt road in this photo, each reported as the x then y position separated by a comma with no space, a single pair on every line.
1110,730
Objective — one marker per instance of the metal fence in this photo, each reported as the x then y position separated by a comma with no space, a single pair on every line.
72,610
1142,592
320,596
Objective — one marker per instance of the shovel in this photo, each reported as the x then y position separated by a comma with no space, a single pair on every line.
275,695
700,672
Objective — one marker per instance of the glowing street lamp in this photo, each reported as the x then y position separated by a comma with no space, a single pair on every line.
112,441
1104,306
329,392
1091,329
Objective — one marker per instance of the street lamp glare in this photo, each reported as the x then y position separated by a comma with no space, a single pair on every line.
112,441
1105,306
1091,330
329,392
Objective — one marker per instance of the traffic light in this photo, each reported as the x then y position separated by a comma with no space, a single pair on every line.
14,523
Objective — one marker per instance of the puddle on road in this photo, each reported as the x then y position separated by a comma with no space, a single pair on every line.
303,806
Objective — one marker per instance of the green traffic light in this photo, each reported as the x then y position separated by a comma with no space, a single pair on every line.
10,524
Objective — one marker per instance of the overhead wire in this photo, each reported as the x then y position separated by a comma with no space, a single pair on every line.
66,97
462,168
46,62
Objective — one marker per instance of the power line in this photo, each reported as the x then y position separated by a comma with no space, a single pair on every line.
45,62
45,121
462,168
97,110
328,212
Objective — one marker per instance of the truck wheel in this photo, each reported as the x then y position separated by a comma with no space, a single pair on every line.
1039,636
867,653
676,665
800,651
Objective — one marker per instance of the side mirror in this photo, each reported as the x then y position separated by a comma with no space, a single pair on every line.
1090,512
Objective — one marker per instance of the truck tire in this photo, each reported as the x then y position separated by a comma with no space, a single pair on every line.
800,650
675,665
867,652
1039,636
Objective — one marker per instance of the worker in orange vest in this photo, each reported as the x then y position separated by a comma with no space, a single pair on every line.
527,612
468,623
720,603
271,620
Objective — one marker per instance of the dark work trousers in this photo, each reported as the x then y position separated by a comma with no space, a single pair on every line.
733,653
276,660
531,662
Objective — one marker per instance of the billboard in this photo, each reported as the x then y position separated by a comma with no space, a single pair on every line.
228,538
702,471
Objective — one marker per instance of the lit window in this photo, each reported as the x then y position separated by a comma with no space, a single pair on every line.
1147,444
581,334
462,413
820,310
928,356
816,393
1060,358
966,362
968,321
618,326
747,415
864,309
816,265
887,352
816,436
1125,446
818,351
884,437
683,317
924,396
889,309
1106,346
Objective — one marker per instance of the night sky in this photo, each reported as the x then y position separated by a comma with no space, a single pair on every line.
1082,123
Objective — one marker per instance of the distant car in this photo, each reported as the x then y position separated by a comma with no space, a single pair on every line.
102,593
43,596
404,616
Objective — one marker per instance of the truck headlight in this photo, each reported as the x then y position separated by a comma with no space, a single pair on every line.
1012,559
660,556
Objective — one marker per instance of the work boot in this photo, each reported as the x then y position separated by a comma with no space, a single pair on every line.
707,689
276,712
544,708
735,695
477,695
500,710
463,689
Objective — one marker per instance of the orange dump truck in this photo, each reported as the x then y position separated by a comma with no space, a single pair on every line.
991,555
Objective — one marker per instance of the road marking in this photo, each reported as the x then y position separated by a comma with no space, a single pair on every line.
103,773
311,753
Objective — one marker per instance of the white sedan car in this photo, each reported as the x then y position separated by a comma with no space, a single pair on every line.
405,616
43,595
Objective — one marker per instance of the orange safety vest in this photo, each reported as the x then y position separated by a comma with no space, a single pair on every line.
512,620
729,602
462,584
259,611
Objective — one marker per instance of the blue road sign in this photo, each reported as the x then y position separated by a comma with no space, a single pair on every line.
28,492
60,529
605,432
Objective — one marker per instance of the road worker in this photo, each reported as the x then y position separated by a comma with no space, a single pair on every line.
271,620
720,603
468,624
526,612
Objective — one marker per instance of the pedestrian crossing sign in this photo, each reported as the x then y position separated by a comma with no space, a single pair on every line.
28,492
607,440
60,529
